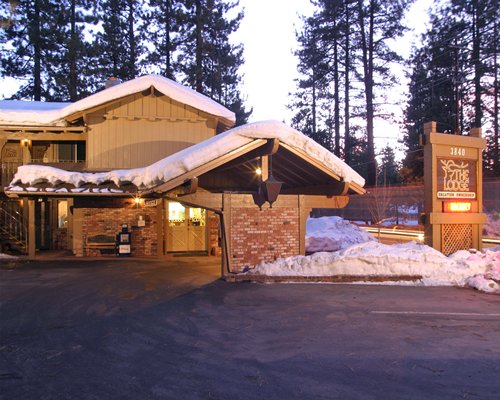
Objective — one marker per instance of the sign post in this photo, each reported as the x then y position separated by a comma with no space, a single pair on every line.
453,203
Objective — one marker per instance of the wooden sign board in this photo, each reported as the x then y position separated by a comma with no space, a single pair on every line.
453,215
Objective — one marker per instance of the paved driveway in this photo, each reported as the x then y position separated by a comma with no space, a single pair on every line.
132,329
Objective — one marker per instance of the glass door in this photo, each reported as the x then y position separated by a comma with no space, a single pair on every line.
187,230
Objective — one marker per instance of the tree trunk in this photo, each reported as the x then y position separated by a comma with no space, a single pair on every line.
37,63
168,44
367,51
478,70
496,94
131,38
347,63
336,85
72,54
199,49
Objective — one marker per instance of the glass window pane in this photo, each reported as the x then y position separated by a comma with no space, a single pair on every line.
62,214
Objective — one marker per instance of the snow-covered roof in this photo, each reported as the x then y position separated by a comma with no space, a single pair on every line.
17,112
188,159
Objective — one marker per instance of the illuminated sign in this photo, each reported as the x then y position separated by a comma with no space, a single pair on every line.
457,206
150,203
456,179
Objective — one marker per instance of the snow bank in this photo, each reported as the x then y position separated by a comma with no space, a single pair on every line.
492,226
4,256
332,234
188,159
480,270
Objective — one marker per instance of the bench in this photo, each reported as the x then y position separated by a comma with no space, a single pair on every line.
100,241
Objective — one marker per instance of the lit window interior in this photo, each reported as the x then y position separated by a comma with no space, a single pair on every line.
62,214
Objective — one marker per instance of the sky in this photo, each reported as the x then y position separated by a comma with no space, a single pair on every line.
268,34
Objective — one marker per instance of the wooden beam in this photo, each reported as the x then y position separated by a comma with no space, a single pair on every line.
161,223
333,189
31,230
65,136
311,201
210,201
173,183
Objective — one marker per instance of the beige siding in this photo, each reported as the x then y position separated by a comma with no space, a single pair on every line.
139,130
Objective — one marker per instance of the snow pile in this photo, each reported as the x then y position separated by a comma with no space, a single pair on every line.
190,158
480,270
492,226
332,234
4,256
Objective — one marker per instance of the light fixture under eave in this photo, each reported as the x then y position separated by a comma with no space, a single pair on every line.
271,188
258,171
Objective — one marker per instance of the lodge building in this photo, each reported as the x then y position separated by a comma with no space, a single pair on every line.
168,163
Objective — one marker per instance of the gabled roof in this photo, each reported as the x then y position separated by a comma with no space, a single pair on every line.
17,112
318,165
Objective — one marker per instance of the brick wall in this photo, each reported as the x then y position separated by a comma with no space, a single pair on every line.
213,234
109,220
263,235
59,238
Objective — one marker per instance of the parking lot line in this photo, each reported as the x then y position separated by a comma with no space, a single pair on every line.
453,314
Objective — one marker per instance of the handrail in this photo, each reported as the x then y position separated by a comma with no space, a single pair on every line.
13,228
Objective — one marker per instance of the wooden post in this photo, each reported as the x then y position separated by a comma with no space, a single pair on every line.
161,222
225,216
31,230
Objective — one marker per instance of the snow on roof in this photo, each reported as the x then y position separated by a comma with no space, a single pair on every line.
190,158
43,113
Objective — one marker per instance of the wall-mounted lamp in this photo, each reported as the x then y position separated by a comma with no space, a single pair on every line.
25,142
137,200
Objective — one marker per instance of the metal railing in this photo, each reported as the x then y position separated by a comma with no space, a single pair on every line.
13,230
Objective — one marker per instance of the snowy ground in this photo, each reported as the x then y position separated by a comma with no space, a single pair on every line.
344,249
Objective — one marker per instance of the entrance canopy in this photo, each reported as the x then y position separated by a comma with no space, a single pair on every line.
236,160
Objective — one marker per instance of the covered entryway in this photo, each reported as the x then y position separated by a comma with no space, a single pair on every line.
186,228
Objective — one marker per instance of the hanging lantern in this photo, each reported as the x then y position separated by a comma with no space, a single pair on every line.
259,199
271,189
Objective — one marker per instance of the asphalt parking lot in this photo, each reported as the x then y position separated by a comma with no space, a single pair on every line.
150,329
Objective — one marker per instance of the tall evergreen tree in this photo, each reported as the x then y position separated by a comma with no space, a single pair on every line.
165,17
28,46
121,41
453,79
388,173
209,62
378,21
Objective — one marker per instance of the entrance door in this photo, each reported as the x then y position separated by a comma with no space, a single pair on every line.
42,224
187,230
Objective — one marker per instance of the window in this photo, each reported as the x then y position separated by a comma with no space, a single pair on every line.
71,152
62,214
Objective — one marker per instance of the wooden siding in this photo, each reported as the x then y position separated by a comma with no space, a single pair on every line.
139,130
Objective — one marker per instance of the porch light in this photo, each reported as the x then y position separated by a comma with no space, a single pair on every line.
258,171
137,200
25,142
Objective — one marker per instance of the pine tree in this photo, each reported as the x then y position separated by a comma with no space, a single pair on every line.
27,47
166,18
209,62
313,86
388,173
121,41
378,21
